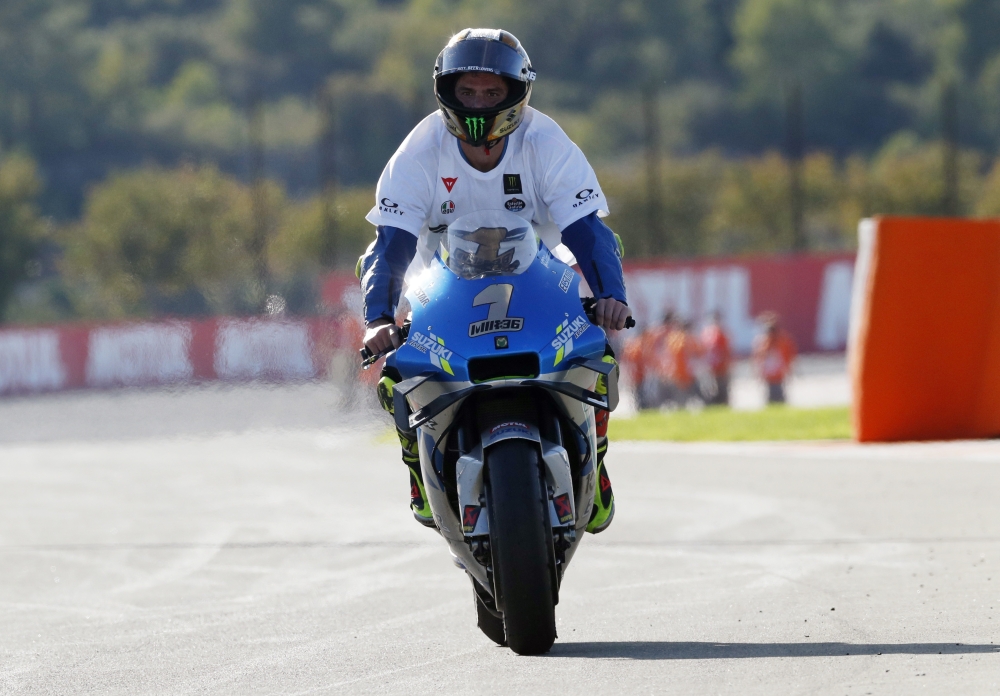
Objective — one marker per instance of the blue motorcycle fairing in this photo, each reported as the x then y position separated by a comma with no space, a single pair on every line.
455,319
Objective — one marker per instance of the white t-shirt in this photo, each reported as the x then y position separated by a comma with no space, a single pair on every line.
541,176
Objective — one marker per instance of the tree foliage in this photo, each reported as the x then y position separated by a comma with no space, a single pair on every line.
165,241
712,205
182,242
92,86
147,121
20,226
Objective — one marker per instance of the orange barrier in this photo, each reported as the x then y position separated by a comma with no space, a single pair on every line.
925,340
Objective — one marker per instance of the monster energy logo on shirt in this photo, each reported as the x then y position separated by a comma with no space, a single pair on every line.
475,125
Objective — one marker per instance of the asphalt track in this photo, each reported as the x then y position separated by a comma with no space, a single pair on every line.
256,540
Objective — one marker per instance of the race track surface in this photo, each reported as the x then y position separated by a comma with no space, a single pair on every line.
257,540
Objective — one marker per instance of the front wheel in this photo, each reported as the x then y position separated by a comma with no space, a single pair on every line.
521,543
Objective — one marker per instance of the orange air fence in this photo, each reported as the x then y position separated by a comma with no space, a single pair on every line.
925,338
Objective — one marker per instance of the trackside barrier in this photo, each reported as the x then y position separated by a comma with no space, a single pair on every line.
811,292
30,360
171,352
924,350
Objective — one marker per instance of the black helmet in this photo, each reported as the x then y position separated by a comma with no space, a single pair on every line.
483,50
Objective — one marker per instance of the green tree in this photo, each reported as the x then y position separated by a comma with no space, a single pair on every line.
300,243
20,226
988,204
712,205
154,241
690,188
751,211
907,178
44,105
780,41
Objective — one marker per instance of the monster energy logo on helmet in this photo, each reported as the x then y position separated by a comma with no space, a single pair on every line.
475,125
483,51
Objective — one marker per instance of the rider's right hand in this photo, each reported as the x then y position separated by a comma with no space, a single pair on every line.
381,335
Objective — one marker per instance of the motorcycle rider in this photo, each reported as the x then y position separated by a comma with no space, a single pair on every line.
486,148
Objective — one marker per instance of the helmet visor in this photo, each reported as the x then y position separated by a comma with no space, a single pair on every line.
480,55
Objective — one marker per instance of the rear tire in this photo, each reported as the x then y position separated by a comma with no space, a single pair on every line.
521,544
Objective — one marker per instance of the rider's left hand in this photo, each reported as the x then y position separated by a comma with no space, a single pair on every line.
611,314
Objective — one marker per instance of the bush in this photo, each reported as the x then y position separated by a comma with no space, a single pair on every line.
188,242
710,205
907,178
316,234
157,241
20,226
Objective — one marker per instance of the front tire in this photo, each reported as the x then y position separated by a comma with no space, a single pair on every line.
521,544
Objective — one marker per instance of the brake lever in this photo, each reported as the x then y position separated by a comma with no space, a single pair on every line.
589,303
368,358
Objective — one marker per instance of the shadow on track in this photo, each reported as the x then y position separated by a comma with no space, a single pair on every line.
652,650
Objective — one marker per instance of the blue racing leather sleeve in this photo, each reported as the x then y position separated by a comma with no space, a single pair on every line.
382,268
598,255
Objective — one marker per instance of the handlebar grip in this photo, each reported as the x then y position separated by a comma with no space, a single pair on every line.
368,358
588,308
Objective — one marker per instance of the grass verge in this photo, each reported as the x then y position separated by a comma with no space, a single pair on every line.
723,424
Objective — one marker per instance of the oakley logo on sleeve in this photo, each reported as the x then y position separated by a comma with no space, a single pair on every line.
586,195
387,206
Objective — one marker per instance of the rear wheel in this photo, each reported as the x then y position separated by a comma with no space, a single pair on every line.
521,544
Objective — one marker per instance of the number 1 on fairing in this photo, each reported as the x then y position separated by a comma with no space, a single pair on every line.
498,298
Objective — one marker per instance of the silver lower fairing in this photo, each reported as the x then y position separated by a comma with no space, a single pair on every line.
467,527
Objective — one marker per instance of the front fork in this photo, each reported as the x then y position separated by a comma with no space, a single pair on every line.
467,528
569,505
